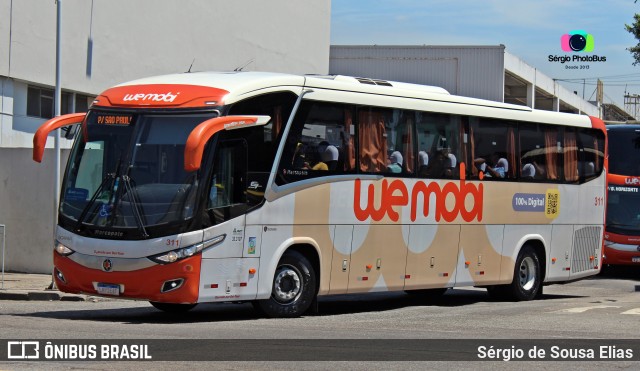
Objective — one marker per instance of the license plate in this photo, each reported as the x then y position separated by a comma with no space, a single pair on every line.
635,259
108,289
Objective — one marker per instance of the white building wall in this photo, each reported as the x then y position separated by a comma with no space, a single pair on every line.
530,74
471,71
106,42
132,39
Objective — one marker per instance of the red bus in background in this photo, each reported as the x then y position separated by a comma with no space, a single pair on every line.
622,232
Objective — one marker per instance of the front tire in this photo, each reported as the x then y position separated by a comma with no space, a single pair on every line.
293,289
527,279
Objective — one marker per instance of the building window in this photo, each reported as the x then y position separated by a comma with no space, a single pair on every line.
40,102
83,102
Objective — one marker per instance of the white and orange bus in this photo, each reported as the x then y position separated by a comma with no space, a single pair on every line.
622,235
277,189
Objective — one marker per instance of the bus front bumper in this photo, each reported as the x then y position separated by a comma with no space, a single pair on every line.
168,283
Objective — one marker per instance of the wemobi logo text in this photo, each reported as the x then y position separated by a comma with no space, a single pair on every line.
395,193
166,97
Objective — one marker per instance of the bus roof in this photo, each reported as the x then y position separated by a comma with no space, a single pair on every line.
234,86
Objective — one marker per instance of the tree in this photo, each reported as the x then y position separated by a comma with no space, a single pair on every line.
634,29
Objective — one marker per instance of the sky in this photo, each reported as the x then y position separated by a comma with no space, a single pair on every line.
530,30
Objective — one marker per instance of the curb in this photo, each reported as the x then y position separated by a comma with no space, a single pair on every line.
39,296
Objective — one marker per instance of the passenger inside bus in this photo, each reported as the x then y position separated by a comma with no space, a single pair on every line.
494,167
328,157
443,164
298,159
423,163
395,163
528,171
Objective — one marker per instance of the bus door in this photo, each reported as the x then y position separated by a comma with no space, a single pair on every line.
227,265
432,256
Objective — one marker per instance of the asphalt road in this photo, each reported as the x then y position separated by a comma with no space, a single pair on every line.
606,307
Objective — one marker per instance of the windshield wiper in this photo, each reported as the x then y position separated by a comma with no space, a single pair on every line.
94,197
134,201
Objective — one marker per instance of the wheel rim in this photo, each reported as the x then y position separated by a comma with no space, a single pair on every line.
287,285
527,273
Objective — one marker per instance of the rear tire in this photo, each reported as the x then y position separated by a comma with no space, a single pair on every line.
173,308
293,289
527,279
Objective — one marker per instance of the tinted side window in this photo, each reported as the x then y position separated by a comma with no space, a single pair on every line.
570,156
400,134
320,143
372,139
439,152
591,155
263,141
493,148
539,152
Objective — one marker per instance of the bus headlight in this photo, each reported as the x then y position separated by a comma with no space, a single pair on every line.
175,255
62,249
185,252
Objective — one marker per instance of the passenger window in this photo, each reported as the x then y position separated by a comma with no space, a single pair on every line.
570,156
540,148
591,156
532,152
493,148
263,140
438,145
372,138
400,129
320,143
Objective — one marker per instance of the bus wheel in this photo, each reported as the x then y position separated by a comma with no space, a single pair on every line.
527,279
172,308
293,289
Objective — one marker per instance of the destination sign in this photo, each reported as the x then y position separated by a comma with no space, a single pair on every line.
110,119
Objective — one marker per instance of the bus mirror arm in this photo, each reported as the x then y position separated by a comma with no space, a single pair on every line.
40,137
199,136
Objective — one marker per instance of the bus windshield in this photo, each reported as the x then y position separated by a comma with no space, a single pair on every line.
624,149
623,210
128,172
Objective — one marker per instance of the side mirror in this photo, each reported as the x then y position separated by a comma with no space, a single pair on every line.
69,132
40,137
